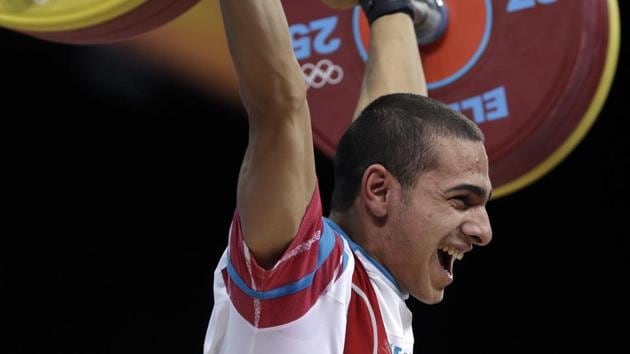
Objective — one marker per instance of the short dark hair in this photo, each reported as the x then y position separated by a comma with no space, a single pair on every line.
396,131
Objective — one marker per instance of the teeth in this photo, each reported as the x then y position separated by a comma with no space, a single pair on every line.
453,252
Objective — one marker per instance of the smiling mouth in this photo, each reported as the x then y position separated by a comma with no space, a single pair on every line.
447,256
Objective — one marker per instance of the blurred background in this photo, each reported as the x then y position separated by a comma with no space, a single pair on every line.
120,178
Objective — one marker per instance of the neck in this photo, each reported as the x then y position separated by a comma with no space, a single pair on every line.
368,238
361,234
345,221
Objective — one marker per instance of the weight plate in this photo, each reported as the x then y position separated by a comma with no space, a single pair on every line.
533,74
61,15
90,21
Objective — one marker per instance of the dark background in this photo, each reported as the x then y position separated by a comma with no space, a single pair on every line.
119,184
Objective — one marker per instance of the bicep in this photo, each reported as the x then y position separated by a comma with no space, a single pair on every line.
276,181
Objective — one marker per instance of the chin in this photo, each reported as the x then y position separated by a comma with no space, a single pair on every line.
433,298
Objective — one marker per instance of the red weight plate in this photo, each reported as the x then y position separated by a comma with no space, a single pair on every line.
532,74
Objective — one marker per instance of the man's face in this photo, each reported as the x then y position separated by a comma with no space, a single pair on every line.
440,219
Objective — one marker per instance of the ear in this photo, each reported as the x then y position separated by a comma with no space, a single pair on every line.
377,187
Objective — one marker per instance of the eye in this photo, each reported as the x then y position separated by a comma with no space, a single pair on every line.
460,201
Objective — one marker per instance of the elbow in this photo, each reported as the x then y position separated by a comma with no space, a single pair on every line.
277,95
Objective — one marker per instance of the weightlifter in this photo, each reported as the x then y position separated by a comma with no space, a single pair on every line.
411,185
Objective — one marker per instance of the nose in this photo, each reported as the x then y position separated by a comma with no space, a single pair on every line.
477,227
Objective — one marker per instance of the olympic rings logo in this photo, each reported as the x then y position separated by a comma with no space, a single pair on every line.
324,72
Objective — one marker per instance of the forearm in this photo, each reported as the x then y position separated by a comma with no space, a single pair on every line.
394,63
262,54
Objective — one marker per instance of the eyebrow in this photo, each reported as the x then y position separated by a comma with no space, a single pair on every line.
479,191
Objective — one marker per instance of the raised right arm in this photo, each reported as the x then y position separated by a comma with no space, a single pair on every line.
277,177
394,64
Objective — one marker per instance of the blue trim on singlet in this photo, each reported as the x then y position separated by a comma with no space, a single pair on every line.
355,247
326,245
